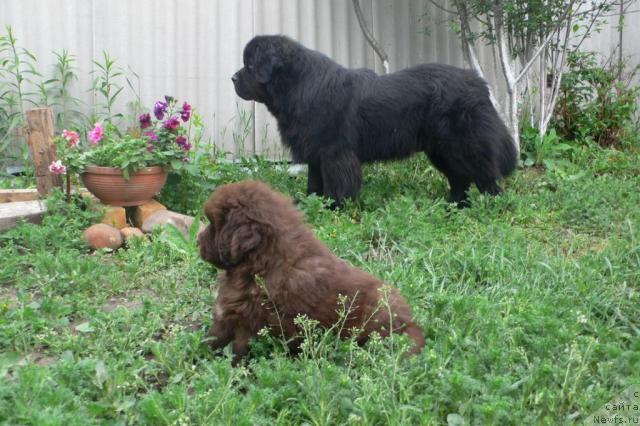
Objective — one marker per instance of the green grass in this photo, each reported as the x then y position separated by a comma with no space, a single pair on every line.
530,303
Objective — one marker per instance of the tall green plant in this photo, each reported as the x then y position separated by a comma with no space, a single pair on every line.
107,87
17,79
64,103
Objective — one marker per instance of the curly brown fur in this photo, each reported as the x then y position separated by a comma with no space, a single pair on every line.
275,269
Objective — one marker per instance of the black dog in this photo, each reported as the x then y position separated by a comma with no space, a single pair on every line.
334,118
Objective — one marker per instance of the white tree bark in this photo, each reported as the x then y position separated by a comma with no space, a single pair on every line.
370,38
509,75
557,80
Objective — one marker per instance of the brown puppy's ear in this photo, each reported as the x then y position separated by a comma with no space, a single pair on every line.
238,237
245,238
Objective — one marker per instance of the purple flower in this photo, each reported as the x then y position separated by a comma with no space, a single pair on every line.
145,120
183,143
172,123
159,109
152,136
185,114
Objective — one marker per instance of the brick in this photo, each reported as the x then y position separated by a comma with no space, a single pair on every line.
141,213
115,216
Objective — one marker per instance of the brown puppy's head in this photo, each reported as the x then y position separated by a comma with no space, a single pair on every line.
246,219
264,57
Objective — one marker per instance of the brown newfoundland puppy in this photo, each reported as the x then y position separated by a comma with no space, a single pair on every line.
275,270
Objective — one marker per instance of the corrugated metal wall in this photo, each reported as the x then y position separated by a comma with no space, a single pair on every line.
190,48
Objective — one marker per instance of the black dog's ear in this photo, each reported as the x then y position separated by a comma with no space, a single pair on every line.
265,66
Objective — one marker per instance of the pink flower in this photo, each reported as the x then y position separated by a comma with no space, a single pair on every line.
57,168
96,134
72,137
151,136
172,123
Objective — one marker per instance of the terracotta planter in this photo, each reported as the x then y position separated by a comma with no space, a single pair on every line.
110,187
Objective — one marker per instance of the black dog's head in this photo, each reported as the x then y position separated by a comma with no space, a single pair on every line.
264,58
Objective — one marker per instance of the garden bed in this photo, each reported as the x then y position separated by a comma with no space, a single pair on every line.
530,303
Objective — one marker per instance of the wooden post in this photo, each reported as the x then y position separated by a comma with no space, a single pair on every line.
43,151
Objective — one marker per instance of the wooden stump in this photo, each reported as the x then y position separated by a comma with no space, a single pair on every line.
43,151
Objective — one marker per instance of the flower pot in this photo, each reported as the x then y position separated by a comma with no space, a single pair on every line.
109,185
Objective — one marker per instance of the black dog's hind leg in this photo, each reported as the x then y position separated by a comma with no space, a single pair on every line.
459,191
341,175
490,187
314,180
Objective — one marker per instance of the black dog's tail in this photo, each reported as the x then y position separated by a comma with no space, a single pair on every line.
506,154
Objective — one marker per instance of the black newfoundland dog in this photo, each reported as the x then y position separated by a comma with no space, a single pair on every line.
334,118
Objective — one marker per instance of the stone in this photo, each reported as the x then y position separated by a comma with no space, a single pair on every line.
103,236
142,213
115,216
163,217
131,232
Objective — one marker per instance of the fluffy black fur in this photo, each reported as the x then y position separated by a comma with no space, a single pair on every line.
334,118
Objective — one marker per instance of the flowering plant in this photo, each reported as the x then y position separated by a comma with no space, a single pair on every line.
161,140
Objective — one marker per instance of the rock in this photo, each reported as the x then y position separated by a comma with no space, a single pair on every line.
163,217
143,212
115,216
131,232
103,236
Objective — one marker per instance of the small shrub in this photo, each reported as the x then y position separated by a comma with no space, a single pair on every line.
596,100
548,150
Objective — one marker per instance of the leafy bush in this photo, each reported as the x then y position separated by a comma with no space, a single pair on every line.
597,101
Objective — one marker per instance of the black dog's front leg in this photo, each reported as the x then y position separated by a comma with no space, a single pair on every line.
314,180
341,174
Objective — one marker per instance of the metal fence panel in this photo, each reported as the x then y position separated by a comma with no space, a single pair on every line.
190,48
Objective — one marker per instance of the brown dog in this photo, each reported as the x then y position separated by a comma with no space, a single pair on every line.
275,270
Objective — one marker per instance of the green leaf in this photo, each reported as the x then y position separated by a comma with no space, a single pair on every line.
8,360
101,373
85,327
455,419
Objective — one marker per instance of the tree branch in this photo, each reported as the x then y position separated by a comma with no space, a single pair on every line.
557,81
369,36
433,2
544,44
